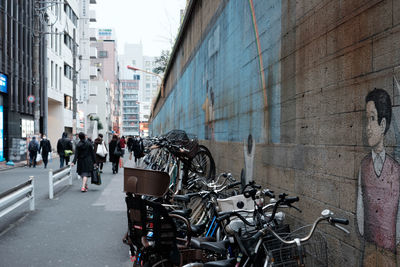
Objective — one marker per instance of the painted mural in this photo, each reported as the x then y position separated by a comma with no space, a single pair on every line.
378,187
231,86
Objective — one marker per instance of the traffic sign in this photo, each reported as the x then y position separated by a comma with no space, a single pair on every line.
31,98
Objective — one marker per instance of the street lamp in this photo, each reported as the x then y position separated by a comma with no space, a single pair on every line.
152,73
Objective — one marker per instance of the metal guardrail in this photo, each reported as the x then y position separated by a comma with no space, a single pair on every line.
8,199
58,176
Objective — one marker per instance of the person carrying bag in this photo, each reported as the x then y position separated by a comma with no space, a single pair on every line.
101,152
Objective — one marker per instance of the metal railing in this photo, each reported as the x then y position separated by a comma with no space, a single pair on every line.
57,177
11,199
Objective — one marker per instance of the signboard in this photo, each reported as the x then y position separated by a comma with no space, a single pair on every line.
1,134
31,98
3,83
106,34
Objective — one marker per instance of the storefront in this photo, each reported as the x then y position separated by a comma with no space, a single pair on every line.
3,92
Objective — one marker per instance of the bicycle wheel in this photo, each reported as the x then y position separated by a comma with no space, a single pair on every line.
202,165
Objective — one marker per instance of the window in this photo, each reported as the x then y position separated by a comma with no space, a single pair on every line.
148,78
56,40
103,54
68,41
147,85
70,14
136,77
133,62
154,85
147,63
68,71
67,102
52,74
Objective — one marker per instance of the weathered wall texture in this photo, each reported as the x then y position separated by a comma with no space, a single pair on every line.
295,75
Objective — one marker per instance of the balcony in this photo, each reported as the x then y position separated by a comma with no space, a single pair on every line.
93,90
93,72
92,16
93,34
93,52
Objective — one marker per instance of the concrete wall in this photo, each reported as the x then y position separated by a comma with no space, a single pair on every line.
300,92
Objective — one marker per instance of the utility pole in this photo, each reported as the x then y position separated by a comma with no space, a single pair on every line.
74,82
36,63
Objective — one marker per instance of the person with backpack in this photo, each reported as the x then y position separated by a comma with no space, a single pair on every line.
101,151
45,149
85,157
138,149
33,149
64,149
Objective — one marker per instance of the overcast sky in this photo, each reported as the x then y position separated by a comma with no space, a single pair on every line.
154,22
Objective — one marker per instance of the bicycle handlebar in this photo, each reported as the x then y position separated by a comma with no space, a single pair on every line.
326,216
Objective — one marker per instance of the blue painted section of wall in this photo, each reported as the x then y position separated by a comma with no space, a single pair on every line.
225,72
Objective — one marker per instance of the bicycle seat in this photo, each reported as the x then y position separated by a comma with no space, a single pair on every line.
219,247
221,263
184,213
195,242
198,229
183,198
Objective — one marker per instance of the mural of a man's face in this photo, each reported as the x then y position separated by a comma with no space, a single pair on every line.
375,132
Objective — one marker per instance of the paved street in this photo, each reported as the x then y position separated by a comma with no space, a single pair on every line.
73,229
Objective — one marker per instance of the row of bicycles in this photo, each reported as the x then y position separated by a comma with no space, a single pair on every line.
181,214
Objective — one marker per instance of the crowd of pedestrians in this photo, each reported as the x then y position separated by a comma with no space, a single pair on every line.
88,155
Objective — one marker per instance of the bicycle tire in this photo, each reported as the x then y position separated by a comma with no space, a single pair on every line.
202,164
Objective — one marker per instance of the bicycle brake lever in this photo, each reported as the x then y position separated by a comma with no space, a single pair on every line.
296,208
342,228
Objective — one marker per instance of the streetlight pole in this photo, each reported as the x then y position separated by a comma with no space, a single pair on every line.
152,73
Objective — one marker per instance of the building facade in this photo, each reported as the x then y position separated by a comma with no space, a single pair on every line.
16,78
130,107
62,66
147,82
104,67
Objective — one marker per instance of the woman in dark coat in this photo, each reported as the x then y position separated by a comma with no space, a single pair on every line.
99,159
84,154
114,146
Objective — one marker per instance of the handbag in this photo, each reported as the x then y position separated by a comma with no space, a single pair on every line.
117,152
96,177
68,153
101,151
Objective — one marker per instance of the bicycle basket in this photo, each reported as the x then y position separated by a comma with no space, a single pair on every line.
313,252
187,141
145,182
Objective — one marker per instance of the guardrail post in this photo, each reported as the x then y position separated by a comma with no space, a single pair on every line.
32,201
51,187
70,175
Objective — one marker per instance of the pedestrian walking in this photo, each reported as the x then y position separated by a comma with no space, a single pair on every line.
85,157
138,149
129,143
101,152
115,153
122,144
45,149
33,149
75,141
64,149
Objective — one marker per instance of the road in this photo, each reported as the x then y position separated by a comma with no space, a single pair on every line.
73,229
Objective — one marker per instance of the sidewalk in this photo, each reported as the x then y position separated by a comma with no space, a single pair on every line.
73,229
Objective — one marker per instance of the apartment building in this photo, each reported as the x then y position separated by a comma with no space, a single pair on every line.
148,83
62,66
